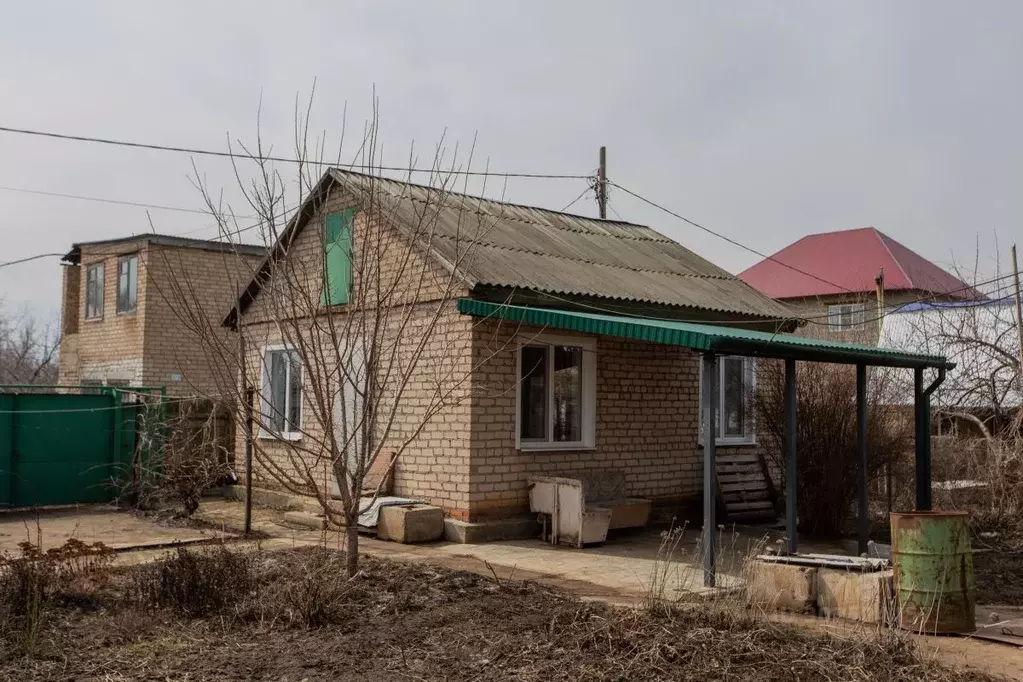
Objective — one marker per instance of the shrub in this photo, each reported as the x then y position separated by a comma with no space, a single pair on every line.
307,589
826,424
186,457
31,582
194,583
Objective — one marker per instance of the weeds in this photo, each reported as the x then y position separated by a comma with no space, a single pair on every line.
34,581
306,590
194,583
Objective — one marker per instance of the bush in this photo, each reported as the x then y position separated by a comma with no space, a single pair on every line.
33,581
304,589
194,583
186,458
826,424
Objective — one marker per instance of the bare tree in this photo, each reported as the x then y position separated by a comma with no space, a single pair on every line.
28,351
982,396
349,345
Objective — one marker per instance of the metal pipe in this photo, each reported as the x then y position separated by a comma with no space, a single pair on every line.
863,522
923,436
707,394
791,474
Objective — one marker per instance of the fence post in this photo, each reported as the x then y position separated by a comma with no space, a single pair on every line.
8,404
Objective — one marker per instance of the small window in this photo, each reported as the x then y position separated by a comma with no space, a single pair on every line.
845,317
281,396
556,395
734,416
127,283
94,291
337,258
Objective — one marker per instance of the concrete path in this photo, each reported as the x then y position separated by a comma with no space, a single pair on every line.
116,528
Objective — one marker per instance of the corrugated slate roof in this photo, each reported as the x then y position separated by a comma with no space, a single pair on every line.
548,251
849,260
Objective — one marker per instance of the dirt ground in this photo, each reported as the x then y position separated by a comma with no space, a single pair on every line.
998,577
418,622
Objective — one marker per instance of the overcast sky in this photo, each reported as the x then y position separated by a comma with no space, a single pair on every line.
763,120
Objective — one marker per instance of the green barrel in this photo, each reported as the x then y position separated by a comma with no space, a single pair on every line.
933,564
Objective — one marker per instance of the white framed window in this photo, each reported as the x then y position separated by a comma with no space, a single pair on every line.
127,283
281,394
844,317
556,398
94,291
734,418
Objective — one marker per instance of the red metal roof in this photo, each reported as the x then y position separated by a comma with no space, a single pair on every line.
847,261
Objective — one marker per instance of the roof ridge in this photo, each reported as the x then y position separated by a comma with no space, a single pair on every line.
487,199
519,249
661,239
883,238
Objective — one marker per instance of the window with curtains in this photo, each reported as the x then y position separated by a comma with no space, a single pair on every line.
281,394
556,394
734,418
845,317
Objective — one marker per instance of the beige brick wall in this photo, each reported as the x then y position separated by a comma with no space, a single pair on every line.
110,347
153,344
647,414
190,292
435,464
816,309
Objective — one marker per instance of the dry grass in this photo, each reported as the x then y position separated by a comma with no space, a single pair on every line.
301,619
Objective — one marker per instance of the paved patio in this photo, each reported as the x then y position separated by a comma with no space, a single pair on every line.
118,529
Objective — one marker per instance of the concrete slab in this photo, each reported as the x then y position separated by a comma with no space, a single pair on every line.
490,531
410,523
866,597
116,528
783,586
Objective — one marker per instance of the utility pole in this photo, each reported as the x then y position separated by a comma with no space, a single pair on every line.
602,184
1019,311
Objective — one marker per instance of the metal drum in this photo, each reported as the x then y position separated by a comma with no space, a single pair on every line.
933,564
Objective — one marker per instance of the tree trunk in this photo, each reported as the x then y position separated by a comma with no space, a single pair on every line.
352,547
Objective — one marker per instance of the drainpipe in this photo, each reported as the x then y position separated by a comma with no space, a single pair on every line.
923,436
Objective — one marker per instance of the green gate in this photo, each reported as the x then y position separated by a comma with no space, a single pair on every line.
59,447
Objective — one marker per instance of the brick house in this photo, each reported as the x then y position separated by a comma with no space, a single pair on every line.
538,400
829,279
119,325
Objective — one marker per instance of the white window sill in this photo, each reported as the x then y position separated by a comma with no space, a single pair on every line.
94,319
555,447
287,435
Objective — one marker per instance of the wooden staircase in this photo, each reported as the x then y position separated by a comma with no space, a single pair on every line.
745,489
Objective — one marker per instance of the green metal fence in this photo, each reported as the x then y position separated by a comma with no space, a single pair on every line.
70,444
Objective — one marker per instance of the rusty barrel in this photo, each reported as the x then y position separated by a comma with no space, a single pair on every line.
933,565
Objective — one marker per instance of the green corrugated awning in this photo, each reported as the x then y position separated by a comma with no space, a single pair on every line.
702,337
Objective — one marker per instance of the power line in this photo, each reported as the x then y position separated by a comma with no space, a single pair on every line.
29,258
573,202
727,238
809,318
235,155
102,200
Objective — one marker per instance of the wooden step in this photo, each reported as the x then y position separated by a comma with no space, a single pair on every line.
745,496
750,506
743,459
740,486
